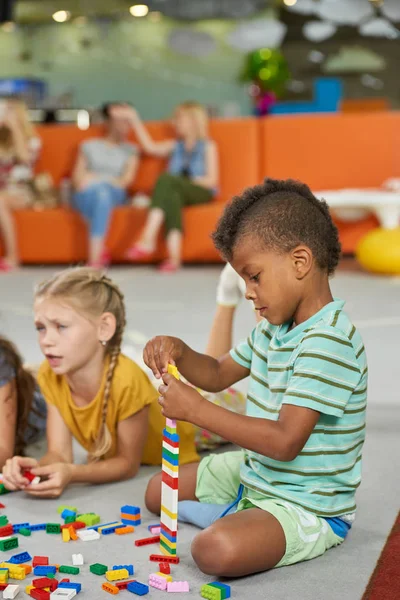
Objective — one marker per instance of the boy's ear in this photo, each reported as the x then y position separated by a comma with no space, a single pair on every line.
107,327
302,260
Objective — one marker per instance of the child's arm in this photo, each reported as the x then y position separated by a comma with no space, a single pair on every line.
161,149
132,434
8,422
205,372
280,440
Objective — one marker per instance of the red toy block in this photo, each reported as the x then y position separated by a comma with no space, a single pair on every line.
39,594
150,540
122,585
170,442
6,530
40,561
28,474
167,530
2,505
166,559
44,582
172,482
65,580
74,524
3,586
164,568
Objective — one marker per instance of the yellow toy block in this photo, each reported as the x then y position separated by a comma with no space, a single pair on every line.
3,576
116,523
174,468
28,589
169,513
66,536
14,571
167,577
173,370
117,574
167,542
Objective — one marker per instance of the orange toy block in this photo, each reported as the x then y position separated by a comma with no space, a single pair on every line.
123,530
111,589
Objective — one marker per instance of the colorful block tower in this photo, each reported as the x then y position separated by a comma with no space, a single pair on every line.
169,485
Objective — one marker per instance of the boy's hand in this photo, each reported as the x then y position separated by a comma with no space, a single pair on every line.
177,399
160,351
56,478
13,477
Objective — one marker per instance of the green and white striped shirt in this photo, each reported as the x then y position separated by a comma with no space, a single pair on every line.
320,364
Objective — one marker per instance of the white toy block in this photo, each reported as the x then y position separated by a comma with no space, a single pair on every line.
166,520
77,559
170,472
62,594
88,535
11,591
35,480
169,498
170,448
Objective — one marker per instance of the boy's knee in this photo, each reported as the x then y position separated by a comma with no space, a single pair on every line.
213,551
152,497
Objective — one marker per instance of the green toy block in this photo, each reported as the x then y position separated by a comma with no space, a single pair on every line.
98,569
63,507
25,532
51,575
53,528
69,520
223,588
70,570
9,544
89,519
211,593
3,490
3,520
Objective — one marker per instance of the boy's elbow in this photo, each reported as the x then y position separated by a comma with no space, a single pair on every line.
287,451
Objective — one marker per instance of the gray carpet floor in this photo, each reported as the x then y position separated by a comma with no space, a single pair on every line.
183,305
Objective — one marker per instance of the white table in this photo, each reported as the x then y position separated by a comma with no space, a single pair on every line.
354,204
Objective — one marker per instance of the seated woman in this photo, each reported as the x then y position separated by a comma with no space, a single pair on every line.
19,150
103,171
191,178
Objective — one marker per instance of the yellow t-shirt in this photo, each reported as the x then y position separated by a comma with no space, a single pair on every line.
130,392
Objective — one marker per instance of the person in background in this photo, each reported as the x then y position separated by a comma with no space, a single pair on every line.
19,150
22,406
191,178
104,169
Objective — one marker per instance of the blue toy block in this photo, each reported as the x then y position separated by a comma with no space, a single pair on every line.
140,589
38,527
174,437
134,523
222,586
20,558
129,568
19,526
130,510
70,585
43,570
171,538
96,527
168,459
68,513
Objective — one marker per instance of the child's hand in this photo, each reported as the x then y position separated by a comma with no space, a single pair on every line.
178,400
160,351
231,287
56,478
13,477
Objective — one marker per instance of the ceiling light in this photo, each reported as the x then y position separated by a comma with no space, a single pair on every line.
139,10
8,26
289,2
61,16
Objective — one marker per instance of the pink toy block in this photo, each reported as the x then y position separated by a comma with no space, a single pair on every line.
155,530
157,582
177,586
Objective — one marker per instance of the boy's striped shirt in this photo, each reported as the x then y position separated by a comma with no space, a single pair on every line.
320,364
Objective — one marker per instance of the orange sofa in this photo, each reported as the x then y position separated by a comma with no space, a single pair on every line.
60,235
326,151
332,152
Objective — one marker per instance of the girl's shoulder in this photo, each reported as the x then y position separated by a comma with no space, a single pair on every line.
127,371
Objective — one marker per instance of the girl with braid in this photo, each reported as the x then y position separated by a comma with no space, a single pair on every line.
93,392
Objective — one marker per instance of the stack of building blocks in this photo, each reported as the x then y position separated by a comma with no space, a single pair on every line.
130,515
215,591
169,485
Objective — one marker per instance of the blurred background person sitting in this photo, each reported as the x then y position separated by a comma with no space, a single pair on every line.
104,169
191,178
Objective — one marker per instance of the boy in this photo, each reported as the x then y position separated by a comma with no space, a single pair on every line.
304,426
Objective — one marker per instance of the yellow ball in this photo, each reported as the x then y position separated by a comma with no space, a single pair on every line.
379,251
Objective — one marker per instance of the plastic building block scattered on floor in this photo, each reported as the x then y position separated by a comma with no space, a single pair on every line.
164,568
3,490
157,582
53,528
113,575
72,534
89,519
2,505
69,570
25,531
11,591
9,544
70,585
62,594
63,507
215,591
88,535
68,513
77,559
129,568
74,524
20,558
43,570
154,526
140,589
178,586
122,585
6,530
164,576
39,594
124,530
165,559
111,589
145,541
226,589
40,561
45,582
18,526
98,569
66,535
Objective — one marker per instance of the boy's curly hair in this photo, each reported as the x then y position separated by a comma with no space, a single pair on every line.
281,214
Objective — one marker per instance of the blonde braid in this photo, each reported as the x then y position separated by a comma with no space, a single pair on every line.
104,440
